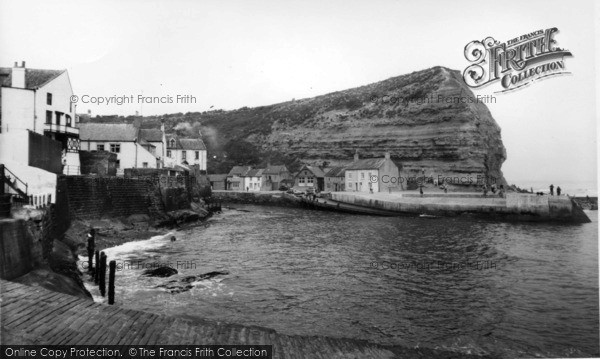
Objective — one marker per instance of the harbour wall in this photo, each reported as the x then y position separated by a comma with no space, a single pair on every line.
274,198
515,206
93,197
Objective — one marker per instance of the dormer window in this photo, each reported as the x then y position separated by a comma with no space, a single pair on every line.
172,143
49,99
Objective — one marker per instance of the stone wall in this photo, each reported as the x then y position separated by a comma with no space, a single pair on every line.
102,163
95,197
275,199
91,197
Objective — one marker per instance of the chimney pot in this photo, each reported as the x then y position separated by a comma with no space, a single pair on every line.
356,156
23,64
387,155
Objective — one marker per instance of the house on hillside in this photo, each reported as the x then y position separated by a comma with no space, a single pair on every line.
122,139
235,178
253,179
310,176
35,108
335,179
274,176
372,174
185,151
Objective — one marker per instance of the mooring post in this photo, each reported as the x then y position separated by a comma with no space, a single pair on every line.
111,282
97,268
90,250
103,274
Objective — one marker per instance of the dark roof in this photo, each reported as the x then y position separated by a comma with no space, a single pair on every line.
336,172
185,143
151,134
238,170
255,172
192,144
217,177
108,132
34,78
275,170
366,164
318,172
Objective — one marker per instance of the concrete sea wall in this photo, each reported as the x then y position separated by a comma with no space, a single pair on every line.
515,206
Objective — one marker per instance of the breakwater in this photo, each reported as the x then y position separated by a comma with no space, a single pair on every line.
515,206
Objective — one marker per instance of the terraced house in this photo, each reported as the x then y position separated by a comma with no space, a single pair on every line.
125,140
185,151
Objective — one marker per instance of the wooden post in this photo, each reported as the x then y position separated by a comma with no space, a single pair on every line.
111,282
90,251
103,274
97,268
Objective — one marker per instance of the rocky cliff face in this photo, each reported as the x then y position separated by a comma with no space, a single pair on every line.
427,120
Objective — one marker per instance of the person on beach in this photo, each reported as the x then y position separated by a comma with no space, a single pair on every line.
558,190
552,190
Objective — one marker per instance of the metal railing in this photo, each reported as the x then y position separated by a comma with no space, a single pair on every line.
51,127
14,178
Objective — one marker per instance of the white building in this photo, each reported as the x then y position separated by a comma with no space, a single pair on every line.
124,140
185,151
372,175
40,101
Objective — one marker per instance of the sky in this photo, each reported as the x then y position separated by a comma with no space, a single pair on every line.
231,54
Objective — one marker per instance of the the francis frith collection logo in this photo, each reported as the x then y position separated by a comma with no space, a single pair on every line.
514,63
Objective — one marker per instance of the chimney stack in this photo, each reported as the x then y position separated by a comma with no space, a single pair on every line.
356,156
18,76
387,155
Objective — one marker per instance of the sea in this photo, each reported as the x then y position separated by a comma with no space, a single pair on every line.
477,286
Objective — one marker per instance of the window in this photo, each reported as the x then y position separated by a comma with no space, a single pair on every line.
183,155
362,175
58,115
48,98
311,179
49,117
169,153
100,147
350,175
118,163
172,143
197,155
115,147
301,180
145,164
68,118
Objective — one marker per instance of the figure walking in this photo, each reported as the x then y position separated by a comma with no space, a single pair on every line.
558,190
552,190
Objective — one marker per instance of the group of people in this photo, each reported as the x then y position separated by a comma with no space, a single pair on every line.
493,189
558,191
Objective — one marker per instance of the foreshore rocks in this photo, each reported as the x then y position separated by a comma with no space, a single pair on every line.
186,283
160,272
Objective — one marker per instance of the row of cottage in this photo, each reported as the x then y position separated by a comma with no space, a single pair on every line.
362,175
